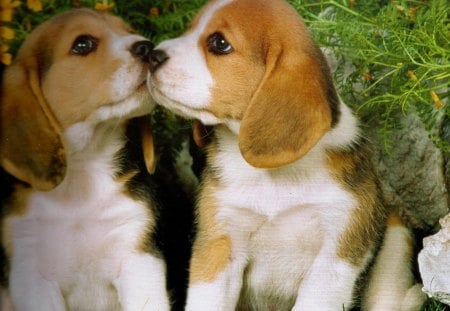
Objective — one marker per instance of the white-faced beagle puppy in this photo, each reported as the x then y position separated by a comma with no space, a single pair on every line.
289,216
78,229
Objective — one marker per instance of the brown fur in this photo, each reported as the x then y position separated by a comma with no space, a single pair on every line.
37,102
30,144
210,257
353,169
293,89
212,249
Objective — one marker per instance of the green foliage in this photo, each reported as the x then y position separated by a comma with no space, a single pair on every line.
392,56
157,20
434,305
173,18
25,20
397,53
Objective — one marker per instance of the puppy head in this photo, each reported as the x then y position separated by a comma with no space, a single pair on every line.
78,65
253,62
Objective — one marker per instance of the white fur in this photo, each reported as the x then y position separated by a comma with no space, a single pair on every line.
276,209
187,81
125,78
78,245
392,282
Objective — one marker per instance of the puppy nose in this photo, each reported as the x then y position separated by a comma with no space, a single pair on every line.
142,49
157,58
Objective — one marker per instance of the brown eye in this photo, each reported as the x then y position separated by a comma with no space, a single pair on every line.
217,44
84,44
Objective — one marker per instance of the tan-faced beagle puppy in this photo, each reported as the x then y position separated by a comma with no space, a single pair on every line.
79,227
289,215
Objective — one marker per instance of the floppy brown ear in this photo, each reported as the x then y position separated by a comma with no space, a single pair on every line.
31,147
148,144
290,111
201,133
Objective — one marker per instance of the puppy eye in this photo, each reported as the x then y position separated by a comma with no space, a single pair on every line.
84,44
217,44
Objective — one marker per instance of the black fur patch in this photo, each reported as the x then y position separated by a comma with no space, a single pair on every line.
170,205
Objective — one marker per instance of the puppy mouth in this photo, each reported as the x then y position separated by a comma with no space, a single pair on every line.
140,89
174,105
137,102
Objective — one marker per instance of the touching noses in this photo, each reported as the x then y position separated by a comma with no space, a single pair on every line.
142,49
157,58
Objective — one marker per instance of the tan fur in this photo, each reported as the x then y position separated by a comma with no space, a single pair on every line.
124,178
148,145
212,250
210,257
38,102
367,222
394,220
286,88
201,134
30,144
74,101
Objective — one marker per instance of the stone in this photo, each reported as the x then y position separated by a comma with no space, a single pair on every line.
434,263
412,175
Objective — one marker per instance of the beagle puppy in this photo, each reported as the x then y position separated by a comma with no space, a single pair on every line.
78,229
289,216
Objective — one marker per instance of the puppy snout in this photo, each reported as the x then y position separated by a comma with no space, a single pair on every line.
142,49
157,58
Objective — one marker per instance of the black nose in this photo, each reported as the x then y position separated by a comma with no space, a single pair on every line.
142,49
157,58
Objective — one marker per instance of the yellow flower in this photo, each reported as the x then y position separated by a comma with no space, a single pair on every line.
5,57
367,75
437,101
34,5
6,33
104,6
154,11
7,9
412,75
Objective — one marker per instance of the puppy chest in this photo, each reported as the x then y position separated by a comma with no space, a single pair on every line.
281,252
269,196
272,191
79,245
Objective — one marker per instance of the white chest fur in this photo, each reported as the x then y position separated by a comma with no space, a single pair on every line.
270,192
79,244
308,181
282,217
75,240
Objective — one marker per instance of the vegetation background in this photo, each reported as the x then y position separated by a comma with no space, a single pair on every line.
391,57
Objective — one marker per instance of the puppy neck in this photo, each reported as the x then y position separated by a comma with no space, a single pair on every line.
90,152
89,138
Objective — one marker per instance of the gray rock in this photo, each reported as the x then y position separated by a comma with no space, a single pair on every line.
434,261
412,175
